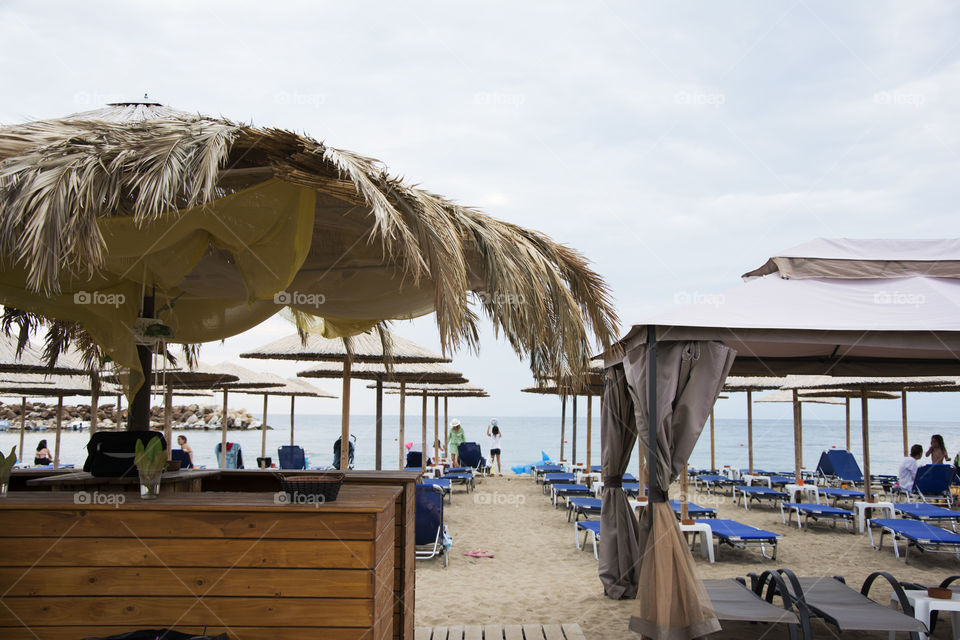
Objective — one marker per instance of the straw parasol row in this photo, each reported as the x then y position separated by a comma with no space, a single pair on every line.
251,221
384,348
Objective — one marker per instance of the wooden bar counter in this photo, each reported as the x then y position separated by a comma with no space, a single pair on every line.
238,563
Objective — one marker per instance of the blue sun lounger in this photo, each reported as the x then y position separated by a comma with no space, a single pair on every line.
540,470
932,484
588,527
816,511
922,535
631,489
431,537
756,494
740,536
712,480
565,491
460,477
557,478
927,512
443,484
780,481
694,510
579,505
837,494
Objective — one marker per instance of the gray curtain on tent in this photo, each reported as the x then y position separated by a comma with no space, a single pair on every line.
619,553
672,603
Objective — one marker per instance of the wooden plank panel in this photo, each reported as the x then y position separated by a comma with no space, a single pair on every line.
439,633
157,612
532,632
553,632
234,633
187,552
573,632
133,581
512,632
492,632
165,524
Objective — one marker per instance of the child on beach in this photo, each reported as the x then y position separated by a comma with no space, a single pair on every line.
937,451
907,472
493,432
42,456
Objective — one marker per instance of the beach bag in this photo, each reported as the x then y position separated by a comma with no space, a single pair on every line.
110,453
159,634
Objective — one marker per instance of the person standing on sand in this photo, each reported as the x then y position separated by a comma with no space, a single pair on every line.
937,451
454,440
493,432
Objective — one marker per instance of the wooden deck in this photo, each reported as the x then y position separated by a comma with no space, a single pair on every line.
502,632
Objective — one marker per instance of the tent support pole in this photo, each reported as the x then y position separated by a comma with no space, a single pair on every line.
403,408
800,431
573,445
168,420
263,428
379,452
652,408
589,429
223,432
423,434
23,425
903,411
797,454
684,498
865,426
713,444
848,421
138,416
750,431
446,424
563,423
345,418
436,428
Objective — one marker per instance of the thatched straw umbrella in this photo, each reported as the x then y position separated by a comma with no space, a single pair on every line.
402,373
437,390
192,229
864,386
27,385
749,384
380,347
294,389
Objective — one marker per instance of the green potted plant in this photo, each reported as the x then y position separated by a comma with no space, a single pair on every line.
6,465
151,460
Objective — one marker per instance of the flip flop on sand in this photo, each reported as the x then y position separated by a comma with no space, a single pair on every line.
479,553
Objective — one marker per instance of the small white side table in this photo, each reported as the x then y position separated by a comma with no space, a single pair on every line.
860,509
798,492
706,537
924,604
748,480
588,478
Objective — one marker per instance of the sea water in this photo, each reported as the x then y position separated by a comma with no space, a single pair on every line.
524,438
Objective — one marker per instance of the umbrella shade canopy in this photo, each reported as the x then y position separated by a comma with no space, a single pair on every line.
753,383
200,377
786,395
247,378
365,347
413,373
30,360
291,387
226,224
31,385
444,394
435,389
854,384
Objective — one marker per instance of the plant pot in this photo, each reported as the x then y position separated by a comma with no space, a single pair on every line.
149,483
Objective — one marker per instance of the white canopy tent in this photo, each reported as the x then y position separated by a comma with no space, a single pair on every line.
839,307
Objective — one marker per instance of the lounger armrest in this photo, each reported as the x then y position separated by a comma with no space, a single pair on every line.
905,605
947,582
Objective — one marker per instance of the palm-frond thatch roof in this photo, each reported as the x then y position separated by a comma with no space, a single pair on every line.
380,248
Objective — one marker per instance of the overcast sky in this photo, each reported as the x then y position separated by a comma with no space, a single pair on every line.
677,145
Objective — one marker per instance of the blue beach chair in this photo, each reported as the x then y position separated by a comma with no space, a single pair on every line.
581,506
431,537
291,457
756,494
550,479
815,511
443,484
182,456
590,528
558,491
694,510
927,512
471,457
234,457
839,465
932,484
460,477
712,480
740,536
915,533
836,494
540,470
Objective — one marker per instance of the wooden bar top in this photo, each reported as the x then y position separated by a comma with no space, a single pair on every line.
355,498
81,478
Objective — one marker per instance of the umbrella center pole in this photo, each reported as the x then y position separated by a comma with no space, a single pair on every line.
403,411
138,418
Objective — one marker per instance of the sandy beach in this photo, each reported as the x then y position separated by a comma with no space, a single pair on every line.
538,576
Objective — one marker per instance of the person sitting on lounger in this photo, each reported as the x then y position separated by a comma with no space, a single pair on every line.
907,472
937,451
182,441
42,456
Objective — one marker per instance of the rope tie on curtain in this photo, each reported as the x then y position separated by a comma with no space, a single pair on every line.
613,482
691,351
656,494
